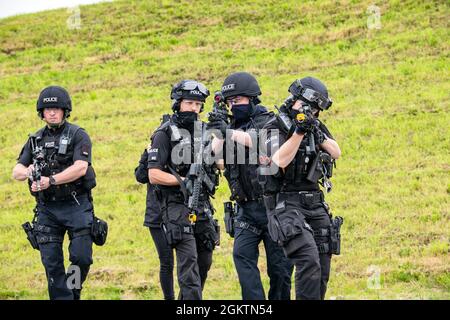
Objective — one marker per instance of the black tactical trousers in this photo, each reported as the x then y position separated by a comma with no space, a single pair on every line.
246,253
166,260
165,254
180,236
312,268
54,219
187,269
204,254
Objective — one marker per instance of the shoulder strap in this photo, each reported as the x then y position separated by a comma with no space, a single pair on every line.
70,130
163,127
38,134
180,181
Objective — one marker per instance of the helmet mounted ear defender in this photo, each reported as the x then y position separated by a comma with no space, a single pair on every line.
242,84
188,89
54,97
311,91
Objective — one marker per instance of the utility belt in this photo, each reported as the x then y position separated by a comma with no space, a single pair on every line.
305,198
63,193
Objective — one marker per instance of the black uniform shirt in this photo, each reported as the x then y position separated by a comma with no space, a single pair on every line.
159,152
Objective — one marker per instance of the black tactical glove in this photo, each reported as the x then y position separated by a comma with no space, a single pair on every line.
218,124
305,125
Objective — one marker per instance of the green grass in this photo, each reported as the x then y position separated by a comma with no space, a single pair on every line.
390,116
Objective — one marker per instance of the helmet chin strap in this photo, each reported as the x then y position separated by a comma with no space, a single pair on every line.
253,103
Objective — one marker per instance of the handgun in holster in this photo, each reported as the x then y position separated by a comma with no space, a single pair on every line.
31,236
229,217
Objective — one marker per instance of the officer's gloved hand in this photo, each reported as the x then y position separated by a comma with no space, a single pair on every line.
218,124
305,125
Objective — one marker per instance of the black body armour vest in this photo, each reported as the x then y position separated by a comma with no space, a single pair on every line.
243,179
184,144
294,176
58,153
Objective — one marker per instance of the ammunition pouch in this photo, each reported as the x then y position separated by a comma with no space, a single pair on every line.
321,166
328,164
315,170
99,231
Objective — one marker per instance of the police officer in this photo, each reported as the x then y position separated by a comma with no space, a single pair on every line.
193,236
299,219
241,92
152,221
64,202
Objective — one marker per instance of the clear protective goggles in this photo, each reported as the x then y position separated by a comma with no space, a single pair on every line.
193,85
297,90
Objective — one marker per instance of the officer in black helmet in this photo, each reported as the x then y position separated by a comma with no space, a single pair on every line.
173,145
249,222
299,219
63,192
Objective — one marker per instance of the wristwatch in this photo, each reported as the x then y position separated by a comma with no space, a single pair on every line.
52,181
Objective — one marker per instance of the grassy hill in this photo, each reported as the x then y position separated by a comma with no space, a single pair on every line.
390,88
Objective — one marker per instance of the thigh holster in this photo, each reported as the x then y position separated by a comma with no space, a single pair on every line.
45,234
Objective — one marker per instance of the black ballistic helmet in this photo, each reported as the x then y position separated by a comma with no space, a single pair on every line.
188,89
241,84
311,90
54,97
